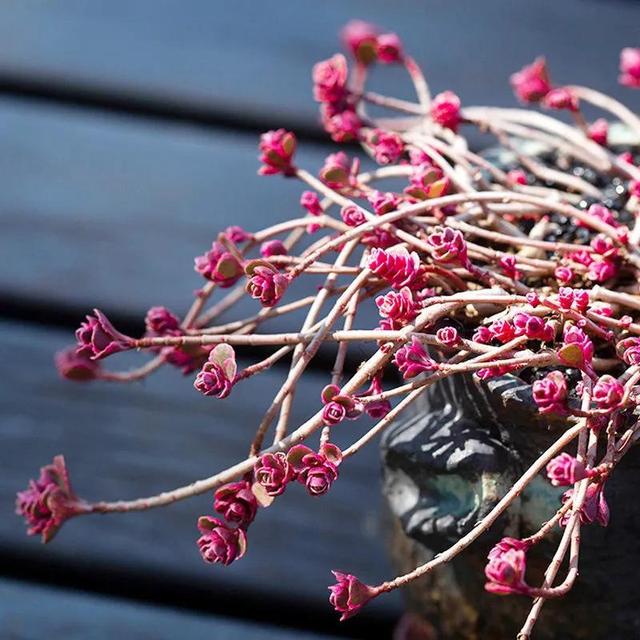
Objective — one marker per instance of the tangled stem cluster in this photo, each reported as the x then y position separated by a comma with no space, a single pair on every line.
530,270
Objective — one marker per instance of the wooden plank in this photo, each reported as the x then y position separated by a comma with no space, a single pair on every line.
130,441
255,58
30,611
111,211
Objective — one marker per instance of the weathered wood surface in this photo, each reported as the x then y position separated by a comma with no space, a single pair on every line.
110,211
29,611
130,441
250,61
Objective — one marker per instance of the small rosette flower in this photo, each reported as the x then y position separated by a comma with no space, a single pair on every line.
219,543
396,266
349,595
218,373
594,508
577,350
265,282
330,79
389,48
561,98
387,147
531,83
505,572
336,170
412,359
273,472
598,131
629,350
159,321
316,471
448,336
533,327
445,110
96,338
630,67
607,392
565,470
273,248
76,366
49,501
236,502
219,266
360,38
277,149
448,245
338,407
399,306
550,393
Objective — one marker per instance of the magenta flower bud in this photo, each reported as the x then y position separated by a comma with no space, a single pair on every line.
493,372
505,572
550,393
277,149
316,471
598,131
564,470
218,373
330,79
448,336
509,266
334,412
353,215
604,246
564,275
379,408
630,68
506,544
412,359
219,543
533,299
502,330
219,266
445,110
389,48
602,213
518,176
594,507
607,392
310,201
577,350
561,98
342,124
629,350
96,338
273,248
272,471
361,40
448,245
602,271
236,502
565,297
483,335
265,283
76,366
533,327
349,595
398,305
383,202
49,501
427,181
237,234
159,321
396,266
531,83
336,170
387,147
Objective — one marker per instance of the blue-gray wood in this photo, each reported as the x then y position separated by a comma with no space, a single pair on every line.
252,60
29,611
130,441
110,211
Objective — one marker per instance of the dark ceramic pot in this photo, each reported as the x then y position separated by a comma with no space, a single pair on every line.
449,461
448,464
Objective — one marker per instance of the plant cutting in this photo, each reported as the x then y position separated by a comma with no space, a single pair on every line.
471,268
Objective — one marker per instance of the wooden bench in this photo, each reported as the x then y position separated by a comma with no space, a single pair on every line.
128,139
